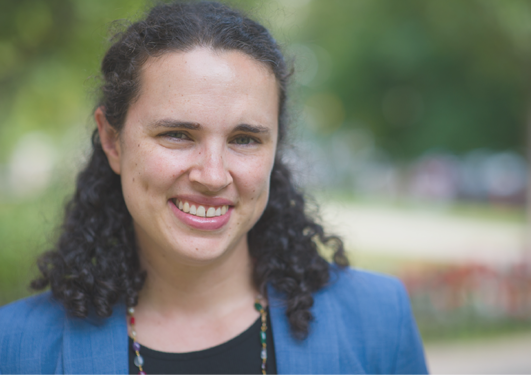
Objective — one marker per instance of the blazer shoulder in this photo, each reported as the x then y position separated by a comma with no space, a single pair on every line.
38,310
374,309
375,300
31,330
353,285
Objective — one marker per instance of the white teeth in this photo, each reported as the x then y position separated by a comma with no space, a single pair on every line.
201,210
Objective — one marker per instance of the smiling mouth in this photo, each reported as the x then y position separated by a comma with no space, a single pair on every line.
200,210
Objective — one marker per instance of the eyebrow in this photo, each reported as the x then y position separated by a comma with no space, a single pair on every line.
175,124
252,128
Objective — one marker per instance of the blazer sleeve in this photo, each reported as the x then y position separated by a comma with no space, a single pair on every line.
410,357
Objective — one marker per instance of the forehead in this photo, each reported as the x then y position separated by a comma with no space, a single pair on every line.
205,63
203,82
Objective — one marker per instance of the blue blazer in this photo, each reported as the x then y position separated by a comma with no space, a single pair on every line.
363,324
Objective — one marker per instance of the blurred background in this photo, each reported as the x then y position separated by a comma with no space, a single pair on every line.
411,128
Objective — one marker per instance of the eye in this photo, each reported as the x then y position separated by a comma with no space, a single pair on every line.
244,140
176,135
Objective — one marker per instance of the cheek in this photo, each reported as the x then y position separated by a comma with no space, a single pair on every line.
254,181
259,197
147,175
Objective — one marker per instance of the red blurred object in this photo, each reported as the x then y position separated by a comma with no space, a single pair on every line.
490,292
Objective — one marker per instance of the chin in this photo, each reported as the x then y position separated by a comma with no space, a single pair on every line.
202,251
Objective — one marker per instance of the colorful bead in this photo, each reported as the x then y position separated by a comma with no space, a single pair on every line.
262,337
138,361
263,366
141,373
264,354
132,320
131,310
136,346
258,306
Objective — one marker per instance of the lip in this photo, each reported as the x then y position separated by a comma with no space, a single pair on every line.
202,223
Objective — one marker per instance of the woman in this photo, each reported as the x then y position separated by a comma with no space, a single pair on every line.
186,233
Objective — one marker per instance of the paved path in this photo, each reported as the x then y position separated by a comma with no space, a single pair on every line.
505,355
426,235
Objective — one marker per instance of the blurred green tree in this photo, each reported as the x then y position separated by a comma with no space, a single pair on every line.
48,49
452,75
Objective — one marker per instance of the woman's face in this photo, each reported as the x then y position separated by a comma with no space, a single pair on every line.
196,152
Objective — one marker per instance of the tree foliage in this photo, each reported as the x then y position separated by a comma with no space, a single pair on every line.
49,50
420,75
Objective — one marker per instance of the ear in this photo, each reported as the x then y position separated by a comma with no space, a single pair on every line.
109,140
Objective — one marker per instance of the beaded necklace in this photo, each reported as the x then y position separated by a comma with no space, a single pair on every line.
139,360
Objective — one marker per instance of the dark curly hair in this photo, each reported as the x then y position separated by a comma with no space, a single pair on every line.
95,261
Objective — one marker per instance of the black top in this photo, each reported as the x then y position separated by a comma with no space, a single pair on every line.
240,355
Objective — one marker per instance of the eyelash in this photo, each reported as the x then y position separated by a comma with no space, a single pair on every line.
181,135
248,138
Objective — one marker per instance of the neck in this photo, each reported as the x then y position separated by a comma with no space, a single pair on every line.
204,302
174,287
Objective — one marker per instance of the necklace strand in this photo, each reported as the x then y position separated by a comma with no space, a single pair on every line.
139,360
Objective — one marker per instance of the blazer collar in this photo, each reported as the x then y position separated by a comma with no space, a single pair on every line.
319,352
96,345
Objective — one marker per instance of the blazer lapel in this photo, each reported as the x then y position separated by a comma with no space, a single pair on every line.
96,345
319,352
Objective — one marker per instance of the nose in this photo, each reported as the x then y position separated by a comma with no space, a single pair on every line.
210,171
